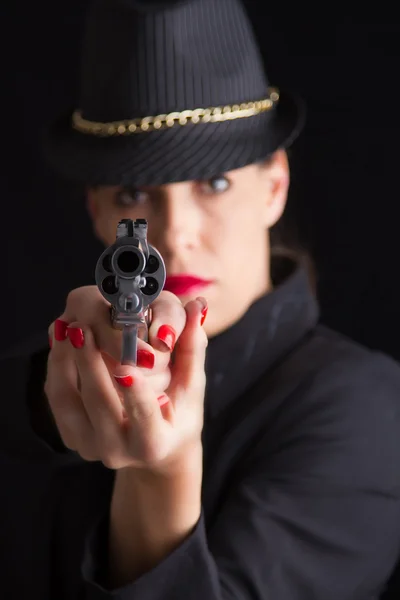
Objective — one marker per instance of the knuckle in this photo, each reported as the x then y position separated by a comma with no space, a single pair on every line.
155,455
88,455
168,307
149,452
141,412
167,378
80,301
161,381
73,297
68,441
58,360
111,462
109,451
169,297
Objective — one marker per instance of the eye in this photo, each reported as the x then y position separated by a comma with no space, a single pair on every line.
131,197
215,185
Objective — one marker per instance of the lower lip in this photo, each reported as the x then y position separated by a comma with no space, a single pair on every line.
181,287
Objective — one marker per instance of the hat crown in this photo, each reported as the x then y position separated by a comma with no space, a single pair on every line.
174,57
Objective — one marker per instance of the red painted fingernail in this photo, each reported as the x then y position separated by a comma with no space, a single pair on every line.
167,335
125,381
76,337
50,342
204,311
60,330
145,359
163,400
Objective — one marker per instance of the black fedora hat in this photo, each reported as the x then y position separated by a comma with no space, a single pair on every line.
171,91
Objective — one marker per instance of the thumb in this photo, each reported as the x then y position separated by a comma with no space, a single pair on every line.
190,351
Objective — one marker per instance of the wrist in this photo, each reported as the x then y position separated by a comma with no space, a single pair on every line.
166,489
185,464
172,489
152,512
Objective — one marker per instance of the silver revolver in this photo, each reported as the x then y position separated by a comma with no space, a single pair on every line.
130,275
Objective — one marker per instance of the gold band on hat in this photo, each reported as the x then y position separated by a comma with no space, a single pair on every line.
199,115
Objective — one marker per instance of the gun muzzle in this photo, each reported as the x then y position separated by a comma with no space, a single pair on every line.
130,275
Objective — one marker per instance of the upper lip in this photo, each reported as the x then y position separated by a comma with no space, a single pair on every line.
181,282
187,278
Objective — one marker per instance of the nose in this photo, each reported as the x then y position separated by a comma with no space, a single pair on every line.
177,220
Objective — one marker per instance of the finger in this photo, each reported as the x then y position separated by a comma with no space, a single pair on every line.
99,395
64,399
168,322
159,382
58,331
87,305
143,411
190,353
154,364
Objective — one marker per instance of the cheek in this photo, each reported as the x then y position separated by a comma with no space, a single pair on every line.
240,234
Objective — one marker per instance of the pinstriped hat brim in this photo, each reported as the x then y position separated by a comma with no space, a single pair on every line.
192,152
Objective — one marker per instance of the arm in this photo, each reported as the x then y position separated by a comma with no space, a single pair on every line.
151,515
313,516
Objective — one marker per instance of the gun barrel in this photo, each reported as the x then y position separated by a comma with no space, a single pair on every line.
128,262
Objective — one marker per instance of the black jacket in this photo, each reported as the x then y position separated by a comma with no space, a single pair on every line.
301,490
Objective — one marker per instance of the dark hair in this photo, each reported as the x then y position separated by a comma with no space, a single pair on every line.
285,236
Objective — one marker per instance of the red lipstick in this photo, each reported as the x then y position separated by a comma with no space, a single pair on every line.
180,285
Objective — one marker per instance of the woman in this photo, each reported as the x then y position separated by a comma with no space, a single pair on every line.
263,466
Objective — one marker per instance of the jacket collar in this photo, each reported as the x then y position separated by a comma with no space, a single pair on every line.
272,327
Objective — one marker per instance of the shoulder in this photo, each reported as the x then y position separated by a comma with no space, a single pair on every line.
344,367
330,372
345,413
